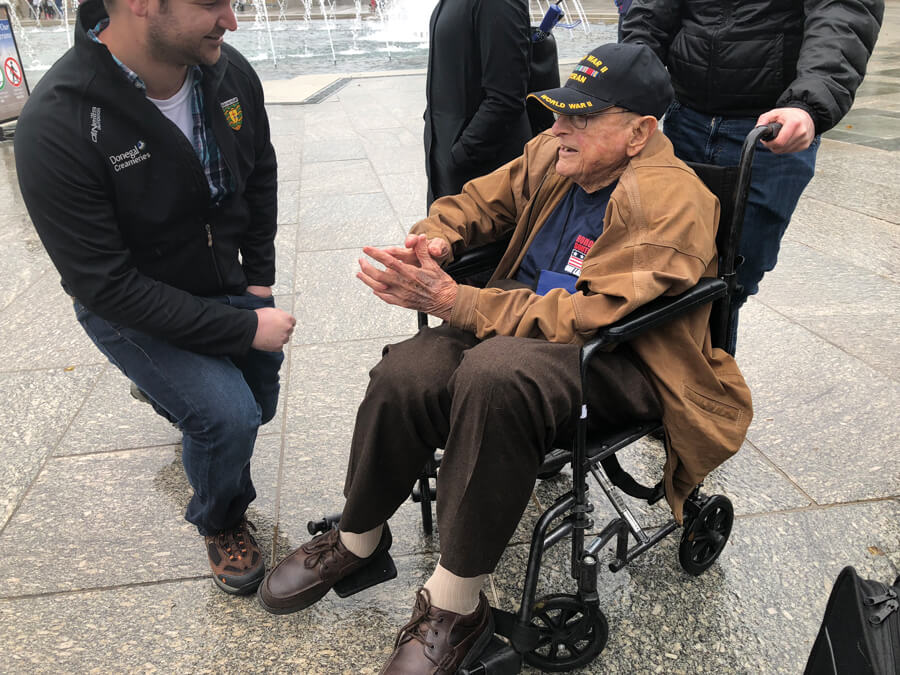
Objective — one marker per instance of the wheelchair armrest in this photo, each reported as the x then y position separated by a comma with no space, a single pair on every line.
653,314
477,260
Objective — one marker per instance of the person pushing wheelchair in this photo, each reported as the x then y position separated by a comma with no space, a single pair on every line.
603,218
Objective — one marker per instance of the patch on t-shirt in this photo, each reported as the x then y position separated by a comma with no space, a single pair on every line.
579,251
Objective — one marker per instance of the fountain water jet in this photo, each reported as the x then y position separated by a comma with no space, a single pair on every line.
328,28
23,41
262,20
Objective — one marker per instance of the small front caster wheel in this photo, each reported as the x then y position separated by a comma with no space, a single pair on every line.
572,633
705,535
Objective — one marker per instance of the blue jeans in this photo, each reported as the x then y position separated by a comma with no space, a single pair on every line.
775,187
218,402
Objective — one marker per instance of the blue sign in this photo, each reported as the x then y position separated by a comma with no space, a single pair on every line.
13,87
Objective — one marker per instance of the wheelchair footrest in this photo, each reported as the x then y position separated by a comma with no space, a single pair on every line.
498,658
378,571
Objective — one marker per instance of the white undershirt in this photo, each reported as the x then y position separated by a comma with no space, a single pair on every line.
178,108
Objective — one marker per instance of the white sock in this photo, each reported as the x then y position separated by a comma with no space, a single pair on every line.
452,593
362,545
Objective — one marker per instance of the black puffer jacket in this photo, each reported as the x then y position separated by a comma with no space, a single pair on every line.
739,58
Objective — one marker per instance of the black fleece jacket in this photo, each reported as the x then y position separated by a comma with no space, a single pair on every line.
744,57
121,203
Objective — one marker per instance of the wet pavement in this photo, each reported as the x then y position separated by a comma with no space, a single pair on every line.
100,573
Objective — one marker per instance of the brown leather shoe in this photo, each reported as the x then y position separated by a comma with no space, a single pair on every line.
438,642
236,562
308,573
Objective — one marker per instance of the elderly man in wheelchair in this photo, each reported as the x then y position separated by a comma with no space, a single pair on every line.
603,219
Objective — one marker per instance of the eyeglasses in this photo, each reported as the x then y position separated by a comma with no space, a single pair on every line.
581,121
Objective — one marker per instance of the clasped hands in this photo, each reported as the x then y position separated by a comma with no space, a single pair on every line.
412,276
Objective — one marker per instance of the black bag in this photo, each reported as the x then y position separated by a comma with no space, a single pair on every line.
543,74
860,634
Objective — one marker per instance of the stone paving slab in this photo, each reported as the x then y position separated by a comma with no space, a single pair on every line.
55,341
110,419
186,626
356,220
116,518
864,241
858,179
841,303
361,315
824,417
38,408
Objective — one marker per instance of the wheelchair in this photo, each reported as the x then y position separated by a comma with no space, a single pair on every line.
561,632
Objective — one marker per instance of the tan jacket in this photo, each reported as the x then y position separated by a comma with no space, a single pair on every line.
658,239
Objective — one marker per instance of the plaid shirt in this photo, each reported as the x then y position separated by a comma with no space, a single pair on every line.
204,141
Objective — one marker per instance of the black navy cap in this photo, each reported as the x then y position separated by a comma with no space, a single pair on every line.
629,76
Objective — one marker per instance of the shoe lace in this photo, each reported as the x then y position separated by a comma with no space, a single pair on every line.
234,541
416,628
318,547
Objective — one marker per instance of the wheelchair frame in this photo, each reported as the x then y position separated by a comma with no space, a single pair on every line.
561,632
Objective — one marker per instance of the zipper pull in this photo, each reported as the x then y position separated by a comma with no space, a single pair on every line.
889,608
208,236
878,599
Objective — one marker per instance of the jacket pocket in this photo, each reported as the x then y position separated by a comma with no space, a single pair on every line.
711,405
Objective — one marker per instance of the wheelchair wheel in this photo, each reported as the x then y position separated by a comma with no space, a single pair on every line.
572,633
705,535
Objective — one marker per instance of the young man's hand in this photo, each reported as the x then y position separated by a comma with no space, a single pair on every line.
797,129
273,329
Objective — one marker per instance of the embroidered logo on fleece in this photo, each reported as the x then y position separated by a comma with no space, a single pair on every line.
134,155
95,123
234,115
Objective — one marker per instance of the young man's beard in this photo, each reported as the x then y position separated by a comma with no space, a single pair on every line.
173,49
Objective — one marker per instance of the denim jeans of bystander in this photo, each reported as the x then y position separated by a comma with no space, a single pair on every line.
218,402
775,188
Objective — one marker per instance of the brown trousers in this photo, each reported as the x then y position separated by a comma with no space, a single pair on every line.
496,407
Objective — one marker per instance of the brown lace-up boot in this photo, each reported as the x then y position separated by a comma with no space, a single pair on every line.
438,642
235,559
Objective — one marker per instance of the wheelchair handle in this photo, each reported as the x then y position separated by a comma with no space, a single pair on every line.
770,132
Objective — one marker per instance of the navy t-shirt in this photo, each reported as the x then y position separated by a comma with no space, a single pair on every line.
565,239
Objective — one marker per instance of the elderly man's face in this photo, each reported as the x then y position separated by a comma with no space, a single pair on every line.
591,156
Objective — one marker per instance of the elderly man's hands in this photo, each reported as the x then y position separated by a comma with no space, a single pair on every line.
797,129
437,249
412,277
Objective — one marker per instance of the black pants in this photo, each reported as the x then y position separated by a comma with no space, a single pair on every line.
496,407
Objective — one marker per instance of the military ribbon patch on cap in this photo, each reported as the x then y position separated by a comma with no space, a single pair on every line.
233,113
587,70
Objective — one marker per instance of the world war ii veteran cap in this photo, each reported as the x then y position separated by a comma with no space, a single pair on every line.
626,75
